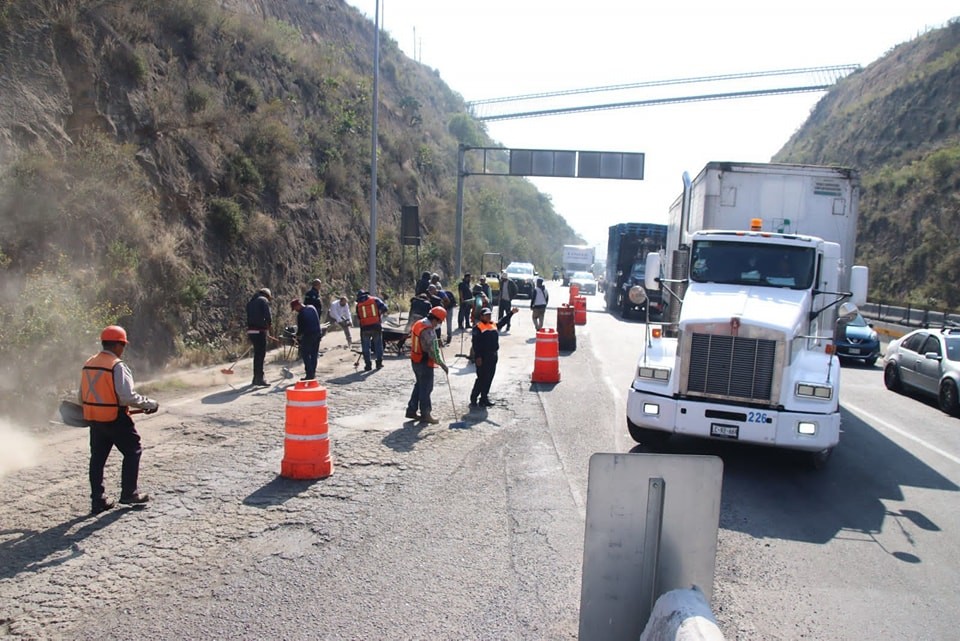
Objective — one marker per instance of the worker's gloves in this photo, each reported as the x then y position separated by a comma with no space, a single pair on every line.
151,407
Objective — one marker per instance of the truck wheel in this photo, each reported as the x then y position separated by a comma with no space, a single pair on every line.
949,401
891,378
652,438
818,460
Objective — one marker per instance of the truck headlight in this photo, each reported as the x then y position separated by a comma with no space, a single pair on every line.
812,390
653,373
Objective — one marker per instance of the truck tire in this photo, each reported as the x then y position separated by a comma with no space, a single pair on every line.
818,460
645,436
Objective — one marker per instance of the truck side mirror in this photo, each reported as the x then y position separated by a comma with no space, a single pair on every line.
652,272
859,276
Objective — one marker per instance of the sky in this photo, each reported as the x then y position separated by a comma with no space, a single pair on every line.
500,48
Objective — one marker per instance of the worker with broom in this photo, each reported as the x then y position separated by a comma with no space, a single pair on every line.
425,355
106,395
259,322
486,345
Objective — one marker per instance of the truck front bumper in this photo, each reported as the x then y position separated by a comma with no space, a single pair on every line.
705,419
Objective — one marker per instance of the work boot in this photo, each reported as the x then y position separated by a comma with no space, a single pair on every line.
259,382
101,505
135,499
428,418
367,367
473,402
486,402
412,415
379,364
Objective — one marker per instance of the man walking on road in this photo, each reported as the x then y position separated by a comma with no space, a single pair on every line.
424,356
508,291
370,311
465,289
259,322
308,337
106,394
538,303
486,345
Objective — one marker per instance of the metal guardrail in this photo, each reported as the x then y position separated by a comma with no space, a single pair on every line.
911,317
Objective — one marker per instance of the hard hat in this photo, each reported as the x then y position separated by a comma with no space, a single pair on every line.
113,334
317,281
294,303
361,293
265,292
439,313
485,311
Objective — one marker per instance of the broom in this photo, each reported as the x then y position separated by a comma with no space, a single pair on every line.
229,370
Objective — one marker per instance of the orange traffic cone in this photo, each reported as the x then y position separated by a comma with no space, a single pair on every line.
546,363
580,310
306,446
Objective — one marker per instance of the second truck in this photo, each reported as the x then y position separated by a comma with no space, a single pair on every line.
759,260
627,247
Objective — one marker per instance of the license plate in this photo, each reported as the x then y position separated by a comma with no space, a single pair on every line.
854,350
724,431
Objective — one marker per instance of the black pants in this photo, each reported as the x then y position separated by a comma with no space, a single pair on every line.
121,433
463,314
504,310
259,341
485,373
309,348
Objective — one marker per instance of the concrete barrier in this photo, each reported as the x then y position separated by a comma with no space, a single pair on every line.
682,615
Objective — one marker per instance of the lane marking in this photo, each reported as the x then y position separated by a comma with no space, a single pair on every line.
903,433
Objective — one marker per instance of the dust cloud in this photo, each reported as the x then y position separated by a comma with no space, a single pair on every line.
17,448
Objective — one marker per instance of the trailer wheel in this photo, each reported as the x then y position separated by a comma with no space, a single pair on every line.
645,436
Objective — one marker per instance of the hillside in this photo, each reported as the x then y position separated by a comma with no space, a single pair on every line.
160,161
898,122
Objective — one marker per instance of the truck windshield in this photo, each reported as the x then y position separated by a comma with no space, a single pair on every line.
739,263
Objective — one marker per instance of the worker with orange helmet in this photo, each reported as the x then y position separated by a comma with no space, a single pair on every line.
106,395
425,355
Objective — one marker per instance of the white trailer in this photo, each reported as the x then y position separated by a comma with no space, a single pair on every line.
576,258
758,261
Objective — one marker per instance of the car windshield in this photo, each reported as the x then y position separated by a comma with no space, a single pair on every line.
745,263
520,270
582,276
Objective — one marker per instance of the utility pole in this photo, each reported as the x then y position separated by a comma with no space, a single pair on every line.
372,262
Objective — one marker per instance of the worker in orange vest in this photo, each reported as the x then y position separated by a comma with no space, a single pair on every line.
370,311
424,356
485,349
106,394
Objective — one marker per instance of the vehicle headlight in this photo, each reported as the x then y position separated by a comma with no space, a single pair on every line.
813,390
653,373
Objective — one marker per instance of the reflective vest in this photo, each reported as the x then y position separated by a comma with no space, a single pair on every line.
368,313
416,347
97,392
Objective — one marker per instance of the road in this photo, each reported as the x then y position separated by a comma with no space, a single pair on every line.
428,532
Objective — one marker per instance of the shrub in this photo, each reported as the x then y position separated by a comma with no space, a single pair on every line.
196,99
226,219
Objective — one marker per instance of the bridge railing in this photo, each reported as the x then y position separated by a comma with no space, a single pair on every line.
908,316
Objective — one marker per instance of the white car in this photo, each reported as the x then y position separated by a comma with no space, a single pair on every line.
524,275
585,281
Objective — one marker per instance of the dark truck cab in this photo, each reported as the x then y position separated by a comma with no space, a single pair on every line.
627,248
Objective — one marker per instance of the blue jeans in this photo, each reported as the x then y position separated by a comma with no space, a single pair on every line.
376,336
421,389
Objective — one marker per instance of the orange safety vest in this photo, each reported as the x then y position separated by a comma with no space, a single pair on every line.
368,313
97,392
416,347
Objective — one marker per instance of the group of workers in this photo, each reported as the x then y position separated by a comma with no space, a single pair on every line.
107,391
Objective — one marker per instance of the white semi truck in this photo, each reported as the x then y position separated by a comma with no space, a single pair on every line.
576,258
758,262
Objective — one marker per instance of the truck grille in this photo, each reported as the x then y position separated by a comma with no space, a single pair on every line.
732,366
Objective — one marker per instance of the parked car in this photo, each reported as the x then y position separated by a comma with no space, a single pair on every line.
585,281
524,275
859,341
928,361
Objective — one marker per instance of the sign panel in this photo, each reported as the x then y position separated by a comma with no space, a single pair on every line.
610,164
543,162
651,527
410,225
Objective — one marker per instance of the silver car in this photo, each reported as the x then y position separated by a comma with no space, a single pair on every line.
928,361
585,281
